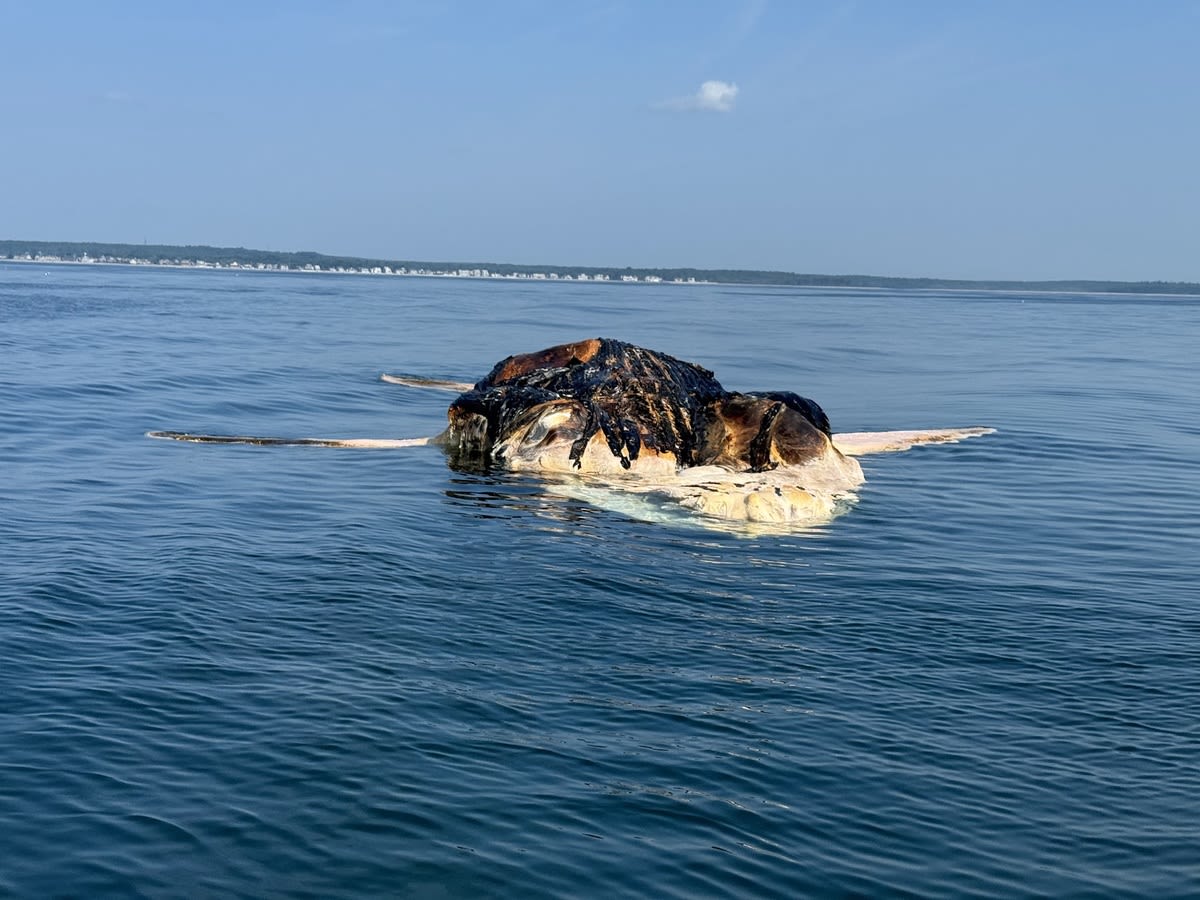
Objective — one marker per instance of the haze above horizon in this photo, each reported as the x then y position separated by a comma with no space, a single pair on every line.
934,139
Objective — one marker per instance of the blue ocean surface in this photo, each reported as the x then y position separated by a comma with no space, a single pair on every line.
237,671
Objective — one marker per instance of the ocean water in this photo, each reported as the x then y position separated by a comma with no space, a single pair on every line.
231,671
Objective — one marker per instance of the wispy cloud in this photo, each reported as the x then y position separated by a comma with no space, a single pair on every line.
713,96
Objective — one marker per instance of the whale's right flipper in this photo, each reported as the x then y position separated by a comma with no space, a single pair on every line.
348,443
862,443
437,384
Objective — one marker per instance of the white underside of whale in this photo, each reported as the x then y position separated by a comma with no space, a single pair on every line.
783,499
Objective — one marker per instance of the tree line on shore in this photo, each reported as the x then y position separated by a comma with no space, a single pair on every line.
168,253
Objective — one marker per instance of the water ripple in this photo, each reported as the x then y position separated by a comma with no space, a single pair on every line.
249,671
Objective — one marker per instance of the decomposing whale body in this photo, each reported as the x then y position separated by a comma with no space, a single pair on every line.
605,420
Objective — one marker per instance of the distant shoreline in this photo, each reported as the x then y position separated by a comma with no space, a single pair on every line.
240,259
205,266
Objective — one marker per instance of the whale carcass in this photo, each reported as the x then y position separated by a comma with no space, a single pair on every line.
609,415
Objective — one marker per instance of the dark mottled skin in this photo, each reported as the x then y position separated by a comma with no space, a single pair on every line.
640,400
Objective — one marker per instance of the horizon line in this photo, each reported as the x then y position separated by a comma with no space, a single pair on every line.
9,246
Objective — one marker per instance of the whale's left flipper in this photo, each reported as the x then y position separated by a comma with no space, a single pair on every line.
861,443
349,443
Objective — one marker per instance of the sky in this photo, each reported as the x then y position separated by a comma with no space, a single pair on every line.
956,139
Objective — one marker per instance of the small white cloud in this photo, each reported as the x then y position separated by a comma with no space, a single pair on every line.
716,95
713,96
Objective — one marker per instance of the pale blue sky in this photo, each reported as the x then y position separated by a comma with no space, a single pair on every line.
960,139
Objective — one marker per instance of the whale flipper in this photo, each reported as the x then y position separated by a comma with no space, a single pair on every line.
420,381
348,443
862,443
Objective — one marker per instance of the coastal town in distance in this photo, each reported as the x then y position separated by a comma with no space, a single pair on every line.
368,268
241,259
